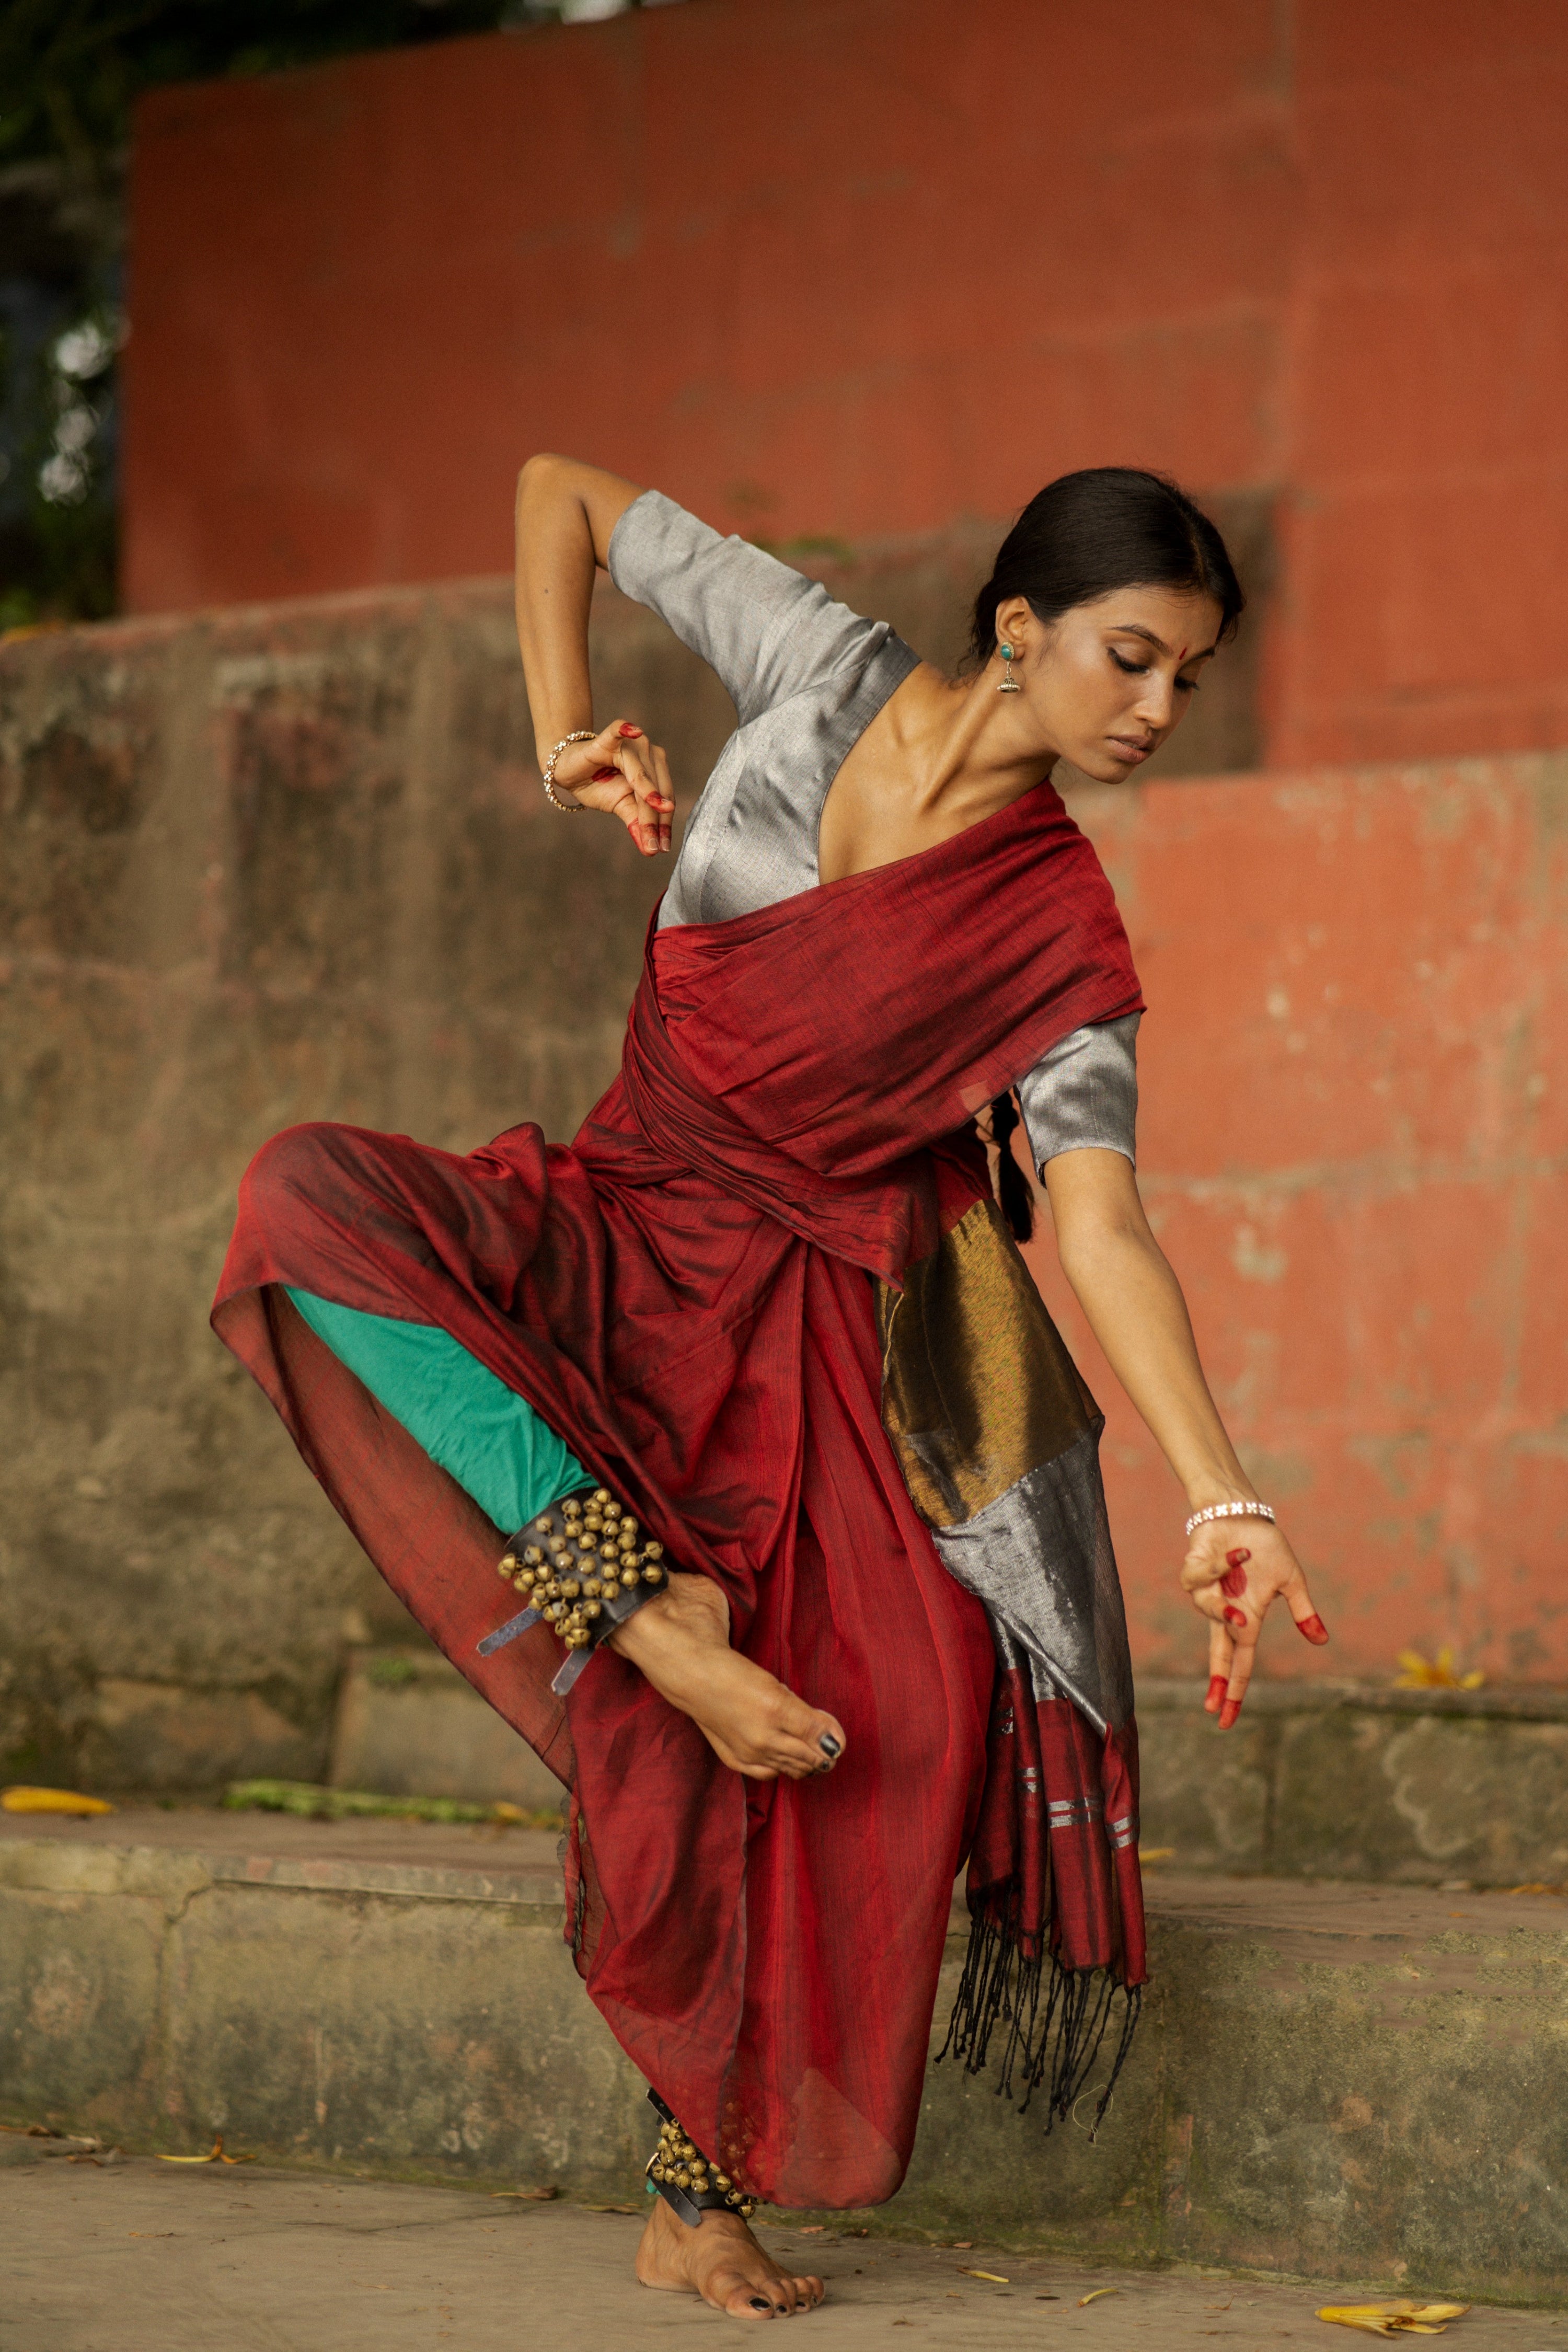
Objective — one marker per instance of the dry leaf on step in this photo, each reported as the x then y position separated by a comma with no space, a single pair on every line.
51,1801
213,2156
1402,2318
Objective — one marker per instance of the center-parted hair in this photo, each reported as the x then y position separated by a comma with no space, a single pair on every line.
1109,527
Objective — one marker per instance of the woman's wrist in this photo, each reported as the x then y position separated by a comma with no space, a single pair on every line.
546,737
1214,1487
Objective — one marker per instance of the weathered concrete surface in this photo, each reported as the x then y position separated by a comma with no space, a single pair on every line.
258,868
409,1725
1330,2078
1320,1780
292,862
1331,1780
266,2262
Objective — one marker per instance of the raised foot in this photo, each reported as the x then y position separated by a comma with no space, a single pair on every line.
680,1641
721,2262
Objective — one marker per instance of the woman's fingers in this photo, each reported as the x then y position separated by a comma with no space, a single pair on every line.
621,773
665,796
1233,1585
1240,1675
1299,1601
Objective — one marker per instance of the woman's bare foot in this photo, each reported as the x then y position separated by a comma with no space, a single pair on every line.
680,1641
722,2263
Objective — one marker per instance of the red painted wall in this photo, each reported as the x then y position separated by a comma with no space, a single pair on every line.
1353,1140
863,265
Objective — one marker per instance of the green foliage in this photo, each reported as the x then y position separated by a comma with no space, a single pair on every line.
312,1804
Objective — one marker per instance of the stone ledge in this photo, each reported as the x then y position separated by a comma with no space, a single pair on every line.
1335,1781
1322,1695
1356,2079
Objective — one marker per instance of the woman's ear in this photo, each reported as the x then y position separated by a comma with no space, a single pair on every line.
1013,616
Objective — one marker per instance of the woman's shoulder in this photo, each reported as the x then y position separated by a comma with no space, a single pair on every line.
769,631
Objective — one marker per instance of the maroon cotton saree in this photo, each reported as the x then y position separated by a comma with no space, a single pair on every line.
766,1296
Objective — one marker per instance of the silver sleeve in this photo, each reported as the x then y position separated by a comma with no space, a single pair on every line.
1083,1094
768,632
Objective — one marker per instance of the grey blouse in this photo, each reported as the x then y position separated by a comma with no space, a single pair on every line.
807,676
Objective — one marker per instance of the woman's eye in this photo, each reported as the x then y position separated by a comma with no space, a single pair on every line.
1133,670
1188,685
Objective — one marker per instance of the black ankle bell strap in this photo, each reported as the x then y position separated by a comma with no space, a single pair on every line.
690,2185
585,1569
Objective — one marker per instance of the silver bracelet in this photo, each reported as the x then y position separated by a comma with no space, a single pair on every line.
1230,1511
567,808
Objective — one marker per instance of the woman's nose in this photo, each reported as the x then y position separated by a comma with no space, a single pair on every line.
1156,703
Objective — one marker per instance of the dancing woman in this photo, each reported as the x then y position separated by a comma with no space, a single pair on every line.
808,1590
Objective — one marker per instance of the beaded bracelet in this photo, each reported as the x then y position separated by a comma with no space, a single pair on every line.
679,2173
584,1573
567,808
1230,1511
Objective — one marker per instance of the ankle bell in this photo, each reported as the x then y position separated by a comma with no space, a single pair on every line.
583,1568
689,2184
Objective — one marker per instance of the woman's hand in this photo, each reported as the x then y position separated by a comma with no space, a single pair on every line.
1235,1568
623,774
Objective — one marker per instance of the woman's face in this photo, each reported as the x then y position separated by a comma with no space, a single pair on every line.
1107,681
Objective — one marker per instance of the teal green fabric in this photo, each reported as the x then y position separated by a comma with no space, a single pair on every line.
481,1433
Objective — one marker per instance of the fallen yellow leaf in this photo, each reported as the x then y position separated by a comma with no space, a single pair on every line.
531,2196
1401,2318
1096,2296
1432,1673
995,2276
51,1801
1156,1852
216,2156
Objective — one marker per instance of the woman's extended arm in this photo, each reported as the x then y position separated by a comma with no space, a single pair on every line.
1123,1282
566,514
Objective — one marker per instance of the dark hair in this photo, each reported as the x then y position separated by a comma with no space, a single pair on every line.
1109,527
1081,537
1012,1185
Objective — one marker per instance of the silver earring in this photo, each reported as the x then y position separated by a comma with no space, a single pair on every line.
1009,683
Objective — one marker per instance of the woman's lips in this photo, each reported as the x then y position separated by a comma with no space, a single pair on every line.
1132,752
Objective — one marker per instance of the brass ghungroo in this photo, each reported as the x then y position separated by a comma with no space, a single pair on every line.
679,2173
585,1572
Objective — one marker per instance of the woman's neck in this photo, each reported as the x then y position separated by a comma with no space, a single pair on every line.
964,745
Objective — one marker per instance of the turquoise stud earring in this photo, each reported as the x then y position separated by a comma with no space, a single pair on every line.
1009,683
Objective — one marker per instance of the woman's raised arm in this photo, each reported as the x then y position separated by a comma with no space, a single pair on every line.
566,514
1233,1568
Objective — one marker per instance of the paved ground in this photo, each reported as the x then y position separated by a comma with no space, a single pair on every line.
146,2257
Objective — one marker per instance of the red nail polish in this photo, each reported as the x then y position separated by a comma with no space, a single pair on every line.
627,728
604,775
1235,1617
1217,1686
1314,1628
1229,1712
1234,1580
1239,1558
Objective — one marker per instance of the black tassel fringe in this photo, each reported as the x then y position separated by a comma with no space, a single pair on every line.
1055,2019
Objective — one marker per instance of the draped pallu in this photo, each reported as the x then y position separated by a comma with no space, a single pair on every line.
766,1295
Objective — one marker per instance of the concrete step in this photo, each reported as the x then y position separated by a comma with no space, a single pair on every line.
1332,2080
267,2258
1320,1779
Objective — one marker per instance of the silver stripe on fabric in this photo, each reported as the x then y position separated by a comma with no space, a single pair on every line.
1040,1559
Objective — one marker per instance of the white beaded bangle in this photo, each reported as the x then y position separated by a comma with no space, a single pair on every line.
1230,1511
567,808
